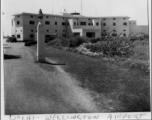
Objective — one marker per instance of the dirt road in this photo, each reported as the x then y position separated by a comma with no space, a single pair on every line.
29,89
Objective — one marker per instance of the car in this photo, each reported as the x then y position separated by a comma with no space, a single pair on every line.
11,39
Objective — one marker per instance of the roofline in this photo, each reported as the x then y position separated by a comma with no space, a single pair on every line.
84,17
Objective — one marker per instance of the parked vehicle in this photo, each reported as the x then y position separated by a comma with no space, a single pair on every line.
11,39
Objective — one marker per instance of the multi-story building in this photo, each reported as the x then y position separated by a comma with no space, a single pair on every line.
24,25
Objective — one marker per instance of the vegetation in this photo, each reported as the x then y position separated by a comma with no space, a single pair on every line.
29,43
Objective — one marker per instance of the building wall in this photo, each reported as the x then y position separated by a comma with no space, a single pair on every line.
57,25
118,28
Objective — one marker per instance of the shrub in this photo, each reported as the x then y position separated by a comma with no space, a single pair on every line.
113,47
29,43
94,40
67,42
139,64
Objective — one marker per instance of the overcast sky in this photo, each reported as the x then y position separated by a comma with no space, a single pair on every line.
135,9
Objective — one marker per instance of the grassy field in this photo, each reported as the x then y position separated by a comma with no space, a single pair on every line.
115,88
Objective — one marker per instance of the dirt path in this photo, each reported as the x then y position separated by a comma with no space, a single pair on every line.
29,89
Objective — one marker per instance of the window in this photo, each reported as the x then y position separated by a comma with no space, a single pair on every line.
47,22
114,24
114,18
67,23
31,36
125,23
31,16
47,30
74,23
124,18
18,36
97,24
104,18
124,30
63,30
114,30
77,23
55,23
18,16
21,30
114,34
134,23
55,30
32,22
63,35
124,34
89,24
104,30
88,19
82,23
16,30
18,22
31,30
63,23
47,16
104,24
63,18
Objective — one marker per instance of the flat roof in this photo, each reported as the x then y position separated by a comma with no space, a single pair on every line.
71,16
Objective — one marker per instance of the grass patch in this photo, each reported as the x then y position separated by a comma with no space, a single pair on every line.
124,89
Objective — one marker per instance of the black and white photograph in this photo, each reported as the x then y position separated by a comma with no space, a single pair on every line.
75,56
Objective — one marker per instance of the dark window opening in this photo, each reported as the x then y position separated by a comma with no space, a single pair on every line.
47,30
90,34
55,23
114,18
18,22
124,34
88,19
31,36
47,16
63,18
32,22
67,23
97,24
76,34
31,30
134,23
31,16
55,30
63,35
74,23
114,34
89,24
104,30
124,18
21,30
114,24
104,18
82,23
114,30
124,30
63,23
124,23
18,36
104,24
63,30
18,16
47,22
77,23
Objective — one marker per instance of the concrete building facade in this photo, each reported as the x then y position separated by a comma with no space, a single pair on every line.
24,26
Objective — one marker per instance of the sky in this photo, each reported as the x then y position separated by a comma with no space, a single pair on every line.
135,9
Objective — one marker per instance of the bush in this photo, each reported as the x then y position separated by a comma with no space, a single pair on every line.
29,43
67,42
113,47
94,40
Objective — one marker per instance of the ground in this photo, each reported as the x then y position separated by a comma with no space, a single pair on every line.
73,83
